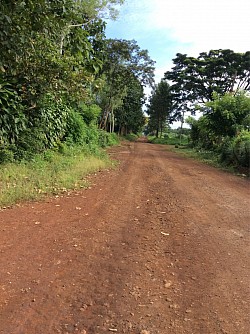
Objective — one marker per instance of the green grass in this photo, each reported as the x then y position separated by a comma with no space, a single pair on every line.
208,157
170,140
131,137
48,174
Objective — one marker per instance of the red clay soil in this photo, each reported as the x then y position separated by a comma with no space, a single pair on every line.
159,245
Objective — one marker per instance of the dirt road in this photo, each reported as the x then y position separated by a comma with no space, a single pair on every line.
160,245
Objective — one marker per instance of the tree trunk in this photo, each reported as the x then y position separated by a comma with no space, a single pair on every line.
182,122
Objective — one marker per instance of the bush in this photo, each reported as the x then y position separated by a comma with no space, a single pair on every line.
89,113
30,142
113,139
236,151
76,130
241,149
131,137
12,118
6,155
107,139
226,151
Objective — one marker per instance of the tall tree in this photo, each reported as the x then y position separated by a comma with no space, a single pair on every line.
51,45
160,107
195,79
130,117
124,62
49,50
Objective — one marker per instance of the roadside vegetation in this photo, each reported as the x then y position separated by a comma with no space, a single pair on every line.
182,144
54,171
177,137
217,84
42,176
66,92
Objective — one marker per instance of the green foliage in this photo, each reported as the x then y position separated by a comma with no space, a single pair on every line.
131,137
53,58
224,117
200,134
49,173
76,129
113,139
89,113
196,79
88,136
6,155
235,151
241,148
228,113
51,47
51,118
171,139
30,142
107,139
124,62
226,151
12,118
159,108
130,117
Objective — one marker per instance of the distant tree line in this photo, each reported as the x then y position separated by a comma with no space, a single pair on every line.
217,84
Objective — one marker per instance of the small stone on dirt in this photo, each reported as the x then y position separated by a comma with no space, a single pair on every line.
168,284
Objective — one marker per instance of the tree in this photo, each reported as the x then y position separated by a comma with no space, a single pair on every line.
160,107
124,62
224,117
33,54
50,51
227,114
196,79
129,116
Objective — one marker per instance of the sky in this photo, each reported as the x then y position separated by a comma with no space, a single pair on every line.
168,27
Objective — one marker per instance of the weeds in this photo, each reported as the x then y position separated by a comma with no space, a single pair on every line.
208,157
170,140
48,174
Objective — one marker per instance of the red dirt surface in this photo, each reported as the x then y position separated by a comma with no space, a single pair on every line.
159,245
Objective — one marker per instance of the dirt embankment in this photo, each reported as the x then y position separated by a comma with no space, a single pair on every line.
160,245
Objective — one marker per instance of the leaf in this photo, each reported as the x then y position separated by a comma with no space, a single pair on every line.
8,18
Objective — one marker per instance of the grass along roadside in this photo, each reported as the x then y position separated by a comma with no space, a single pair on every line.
48,174
210,158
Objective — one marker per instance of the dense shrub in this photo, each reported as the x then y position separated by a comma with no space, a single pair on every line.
12,117
51,118
226,151
89,113
107,139
6,155
236,151
241,148
131,137
76,130
113,139
30,142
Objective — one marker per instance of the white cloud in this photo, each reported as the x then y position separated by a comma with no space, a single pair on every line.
203,24
166,27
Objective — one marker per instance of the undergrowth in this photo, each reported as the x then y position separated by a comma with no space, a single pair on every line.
211,158
52,172
131,137
169,140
